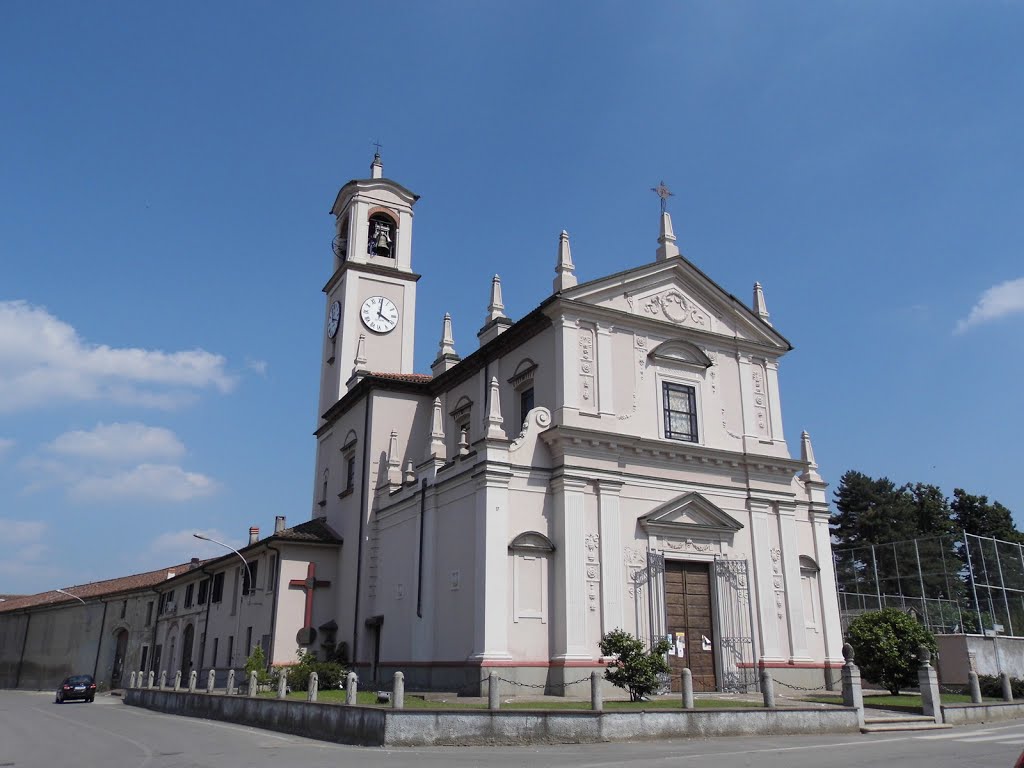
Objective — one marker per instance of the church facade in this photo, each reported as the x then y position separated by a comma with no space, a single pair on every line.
613,459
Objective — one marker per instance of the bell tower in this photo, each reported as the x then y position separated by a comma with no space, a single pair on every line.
370,312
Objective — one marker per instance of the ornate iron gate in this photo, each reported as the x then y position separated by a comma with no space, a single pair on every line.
735,624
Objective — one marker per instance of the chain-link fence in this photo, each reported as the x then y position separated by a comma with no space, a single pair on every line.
966,585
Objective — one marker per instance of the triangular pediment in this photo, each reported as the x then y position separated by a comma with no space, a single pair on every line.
689,515
677,294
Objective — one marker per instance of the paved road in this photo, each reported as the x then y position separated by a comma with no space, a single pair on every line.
36,733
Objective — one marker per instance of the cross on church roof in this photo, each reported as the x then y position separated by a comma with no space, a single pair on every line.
663,192
378,145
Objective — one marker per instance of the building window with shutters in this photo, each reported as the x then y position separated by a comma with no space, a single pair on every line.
679,402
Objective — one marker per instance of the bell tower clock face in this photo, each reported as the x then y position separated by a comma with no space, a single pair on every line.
333,319
379,314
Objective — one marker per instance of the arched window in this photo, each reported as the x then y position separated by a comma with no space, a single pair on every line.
380,239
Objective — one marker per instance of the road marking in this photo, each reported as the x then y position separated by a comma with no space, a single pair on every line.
145,750
952,735
976,739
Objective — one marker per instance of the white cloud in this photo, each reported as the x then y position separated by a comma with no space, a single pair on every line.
22,532
258,366
24,553
119,442
146,482
6,444
182,546
43,360
998,301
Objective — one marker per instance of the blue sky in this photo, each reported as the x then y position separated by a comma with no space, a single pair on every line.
167,170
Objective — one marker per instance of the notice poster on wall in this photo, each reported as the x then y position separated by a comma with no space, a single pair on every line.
680,643
705,643
671,645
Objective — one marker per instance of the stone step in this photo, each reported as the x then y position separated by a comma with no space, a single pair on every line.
899,719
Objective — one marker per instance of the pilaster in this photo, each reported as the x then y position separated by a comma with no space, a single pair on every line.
490,641
771,368
760,548
832,631
612,578
746,394
605,374
566,364
789,546
570,614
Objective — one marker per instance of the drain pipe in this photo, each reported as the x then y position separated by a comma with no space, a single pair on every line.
24,643
362,523
99,643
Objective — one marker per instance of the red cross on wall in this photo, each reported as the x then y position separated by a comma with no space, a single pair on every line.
309,584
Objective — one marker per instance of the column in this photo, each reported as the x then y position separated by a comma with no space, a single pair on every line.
570,614
491,588
605,374
789,546
760,548
831,626
612,579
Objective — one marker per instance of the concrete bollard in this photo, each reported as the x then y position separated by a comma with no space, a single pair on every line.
853,693
149,683
975,687
687,684
596,699
253,684
141,679
398,692
928,682
231,683
351,688
177,680
211,680
131,681
193,676
493,692
1004,679
314,686
282,684
163,679
768,689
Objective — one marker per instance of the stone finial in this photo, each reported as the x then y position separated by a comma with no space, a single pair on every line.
809,475
565,270
463,443
359,365
496,307
436,448
924,655
496,322
376,167
394,463
667,247
848,653
493,429
447,358
760,308
409,476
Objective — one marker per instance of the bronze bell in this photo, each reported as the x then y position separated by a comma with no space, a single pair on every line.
382,243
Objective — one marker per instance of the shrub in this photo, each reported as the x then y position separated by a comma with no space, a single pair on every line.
634,669
329,673
992,687
257,663
885,645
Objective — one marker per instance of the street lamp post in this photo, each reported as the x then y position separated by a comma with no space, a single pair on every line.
63,592
238,608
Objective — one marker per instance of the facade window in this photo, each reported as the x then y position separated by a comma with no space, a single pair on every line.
525,404
124,608
248,641
188,595
145,657
231,650
216,647
204,590
381,236
149,613
323,490
235,597
249,577
160,604
680,403
218,588
157,652
350,473
271,573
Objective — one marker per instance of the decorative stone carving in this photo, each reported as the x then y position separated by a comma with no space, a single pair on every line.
587,370
541,417
760,399
591,544
673,306
690,545
777,582
640,350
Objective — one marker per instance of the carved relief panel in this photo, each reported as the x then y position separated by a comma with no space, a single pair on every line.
762,419
672,305
587,370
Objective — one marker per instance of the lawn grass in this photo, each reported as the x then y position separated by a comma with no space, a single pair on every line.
414,701
904,702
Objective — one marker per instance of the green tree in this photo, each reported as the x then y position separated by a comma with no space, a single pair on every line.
634,669
885,645
871,511
975,515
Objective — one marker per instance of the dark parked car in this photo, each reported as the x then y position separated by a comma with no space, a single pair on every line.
77,687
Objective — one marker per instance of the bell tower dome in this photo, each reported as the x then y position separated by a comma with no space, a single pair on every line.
371,295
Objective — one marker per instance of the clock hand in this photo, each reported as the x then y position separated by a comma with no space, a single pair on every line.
380,309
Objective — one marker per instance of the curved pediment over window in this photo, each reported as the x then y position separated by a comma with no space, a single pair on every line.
531,541
679,352
690,515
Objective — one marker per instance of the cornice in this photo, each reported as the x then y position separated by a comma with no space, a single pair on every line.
372,269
